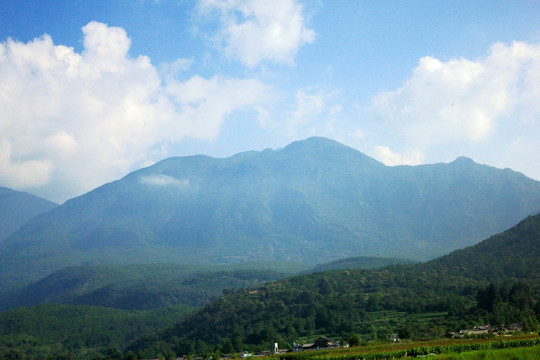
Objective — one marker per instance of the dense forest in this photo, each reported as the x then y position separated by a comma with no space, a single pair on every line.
373,304
53,331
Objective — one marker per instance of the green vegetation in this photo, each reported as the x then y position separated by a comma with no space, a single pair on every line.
373,304
140,287
445,349
414,301
364,306
526,353
511,254
45,331
360,262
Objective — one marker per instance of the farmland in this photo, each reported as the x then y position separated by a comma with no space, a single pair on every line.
518,347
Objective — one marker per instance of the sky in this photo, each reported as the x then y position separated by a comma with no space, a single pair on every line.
92,90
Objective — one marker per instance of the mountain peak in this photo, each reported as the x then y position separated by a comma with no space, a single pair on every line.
316,142
324,149
315,200
463,160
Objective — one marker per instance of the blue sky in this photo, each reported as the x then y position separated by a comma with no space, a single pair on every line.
92,90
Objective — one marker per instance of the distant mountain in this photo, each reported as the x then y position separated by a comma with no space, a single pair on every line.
17,207
338,302
313,201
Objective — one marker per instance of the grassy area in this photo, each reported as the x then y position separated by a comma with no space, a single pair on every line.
529,353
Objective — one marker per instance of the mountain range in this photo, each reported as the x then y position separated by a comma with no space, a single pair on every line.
313,201
18,207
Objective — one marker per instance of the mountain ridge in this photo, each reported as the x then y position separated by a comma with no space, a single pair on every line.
314,200
17,207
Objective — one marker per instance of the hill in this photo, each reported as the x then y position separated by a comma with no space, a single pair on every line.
17,207
138,287
511,254
422,300
313,201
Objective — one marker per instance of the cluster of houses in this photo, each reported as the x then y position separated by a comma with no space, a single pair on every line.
486,330
320,343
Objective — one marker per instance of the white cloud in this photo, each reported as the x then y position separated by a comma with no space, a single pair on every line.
166,181
308,104
72,121
170,70
254,31
466,103
314,111
205,102
388,157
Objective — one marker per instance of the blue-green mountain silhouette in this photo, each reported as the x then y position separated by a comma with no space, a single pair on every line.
18,207
313,201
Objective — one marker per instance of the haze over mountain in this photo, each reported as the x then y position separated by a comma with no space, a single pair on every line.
18,207
313,201
138,287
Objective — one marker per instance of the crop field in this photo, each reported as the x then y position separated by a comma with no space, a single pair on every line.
522,347
526,353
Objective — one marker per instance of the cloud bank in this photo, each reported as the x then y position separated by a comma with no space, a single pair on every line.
72,121
468,104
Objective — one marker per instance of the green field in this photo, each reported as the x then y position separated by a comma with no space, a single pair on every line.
529,353
519,347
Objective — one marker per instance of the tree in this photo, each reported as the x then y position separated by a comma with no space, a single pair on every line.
488,297
355,340
130,355
520,296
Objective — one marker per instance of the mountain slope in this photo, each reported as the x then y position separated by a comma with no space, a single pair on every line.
511,254
17,207
312,201
359,262
338,303
137,287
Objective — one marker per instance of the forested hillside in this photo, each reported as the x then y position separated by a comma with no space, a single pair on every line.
414,301
54,331
423,300
360,262
513,253
141,287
